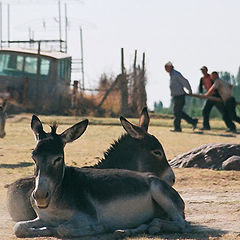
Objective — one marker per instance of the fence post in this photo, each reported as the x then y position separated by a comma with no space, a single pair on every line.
123,87
74,95
25,91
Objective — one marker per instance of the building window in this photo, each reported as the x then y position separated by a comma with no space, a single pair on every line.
45,66
11,64
30,65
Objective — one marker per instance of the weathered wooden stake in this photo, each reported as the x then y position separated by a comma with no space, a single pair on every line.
25,91
124,87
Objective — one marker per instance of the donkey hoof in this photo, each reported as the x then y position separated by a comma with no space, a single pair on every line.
118,234
20,230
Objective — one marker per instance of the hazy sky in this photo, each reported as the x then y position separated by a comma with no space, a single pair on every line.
190,33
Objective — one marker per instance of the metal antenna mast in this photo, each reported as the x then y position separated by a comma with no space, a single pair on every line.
66,27
82,68
60,24
1,24
8,33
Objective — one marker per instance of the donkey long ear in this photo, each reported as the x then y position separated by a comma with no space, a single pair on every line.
132,130
74,132
37,127
144,119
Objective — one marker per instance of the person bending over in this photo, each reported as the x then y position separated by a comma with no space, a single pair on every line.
226,93
206,82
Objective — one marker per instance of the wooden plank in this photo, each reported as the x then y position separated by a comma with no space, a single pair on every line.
212,98
202,96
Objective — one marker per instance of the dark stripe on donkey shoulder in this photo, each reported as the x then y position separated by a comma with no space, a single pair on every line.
106,185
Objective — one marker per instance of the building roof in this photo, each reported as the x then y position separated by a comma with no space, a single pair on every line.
51,54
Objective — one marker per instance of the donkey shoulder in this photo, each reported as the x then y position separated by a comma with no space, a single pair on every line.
107,184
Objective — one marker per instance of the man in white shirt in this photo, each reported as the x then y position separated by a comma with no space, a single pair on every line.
177,85
226,93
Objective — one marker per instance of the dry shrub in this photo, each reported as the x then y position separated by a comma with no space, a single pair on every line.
83,104
112,104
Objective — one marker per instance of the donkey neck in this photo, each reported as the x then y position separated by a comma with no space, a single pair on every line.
120,153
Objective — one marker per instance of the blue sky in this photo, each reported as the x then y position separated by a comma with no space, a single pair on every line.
190,33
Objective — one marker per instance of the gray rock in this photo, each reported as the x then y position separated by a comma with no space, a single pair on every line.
232,163
208,156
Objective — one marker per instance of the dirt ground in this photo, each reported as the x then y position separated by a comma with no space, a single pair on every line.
212,198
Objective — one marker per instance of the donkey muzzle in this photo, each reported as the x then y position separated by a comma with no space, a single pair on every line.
41,197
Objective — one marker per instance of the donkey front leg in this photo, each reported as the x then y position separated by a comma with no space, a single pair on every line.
33,228
128,232
172,204
80,225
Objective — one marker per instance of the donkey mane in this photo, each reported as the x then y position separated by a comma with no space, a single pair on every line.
119,152
54,128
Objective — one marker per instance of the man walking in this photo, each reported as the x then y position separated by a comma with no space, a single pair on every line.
207,83
177,85
225,91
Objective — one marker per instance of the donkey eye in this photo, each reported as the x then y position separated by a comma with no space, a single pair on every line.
157,152
57,160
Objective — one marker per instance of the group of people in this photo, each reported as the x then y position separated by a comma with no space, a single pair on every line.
213,86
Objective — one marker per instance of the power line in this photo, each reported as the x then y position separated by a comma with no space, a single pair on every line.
18,2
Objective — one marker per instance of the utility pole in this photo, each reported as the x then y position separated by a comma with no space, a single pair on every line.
82,63
38,73
8,8
1,25
60,24
66,26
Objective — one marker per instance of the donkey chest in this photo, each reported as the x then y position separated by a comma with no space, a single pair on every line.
125,212
55,216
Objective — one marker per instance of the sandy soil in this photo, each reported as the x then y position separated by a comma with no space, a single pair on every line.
211,211
212,197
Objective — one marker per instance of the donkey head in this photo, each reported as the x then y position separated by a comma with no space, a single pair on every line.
49,158
3,116
155,162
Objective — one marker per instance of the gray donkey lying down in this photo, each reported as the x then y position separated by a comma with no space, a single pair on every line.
141,152
74,202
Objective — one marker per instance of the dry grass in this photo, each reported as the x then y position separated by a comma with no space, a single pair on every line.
212,197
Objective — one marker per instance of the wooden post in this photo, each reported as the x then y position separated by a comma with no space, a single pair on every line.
143,63
122,61
142,101
135,86
25,91
74,96
124,87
